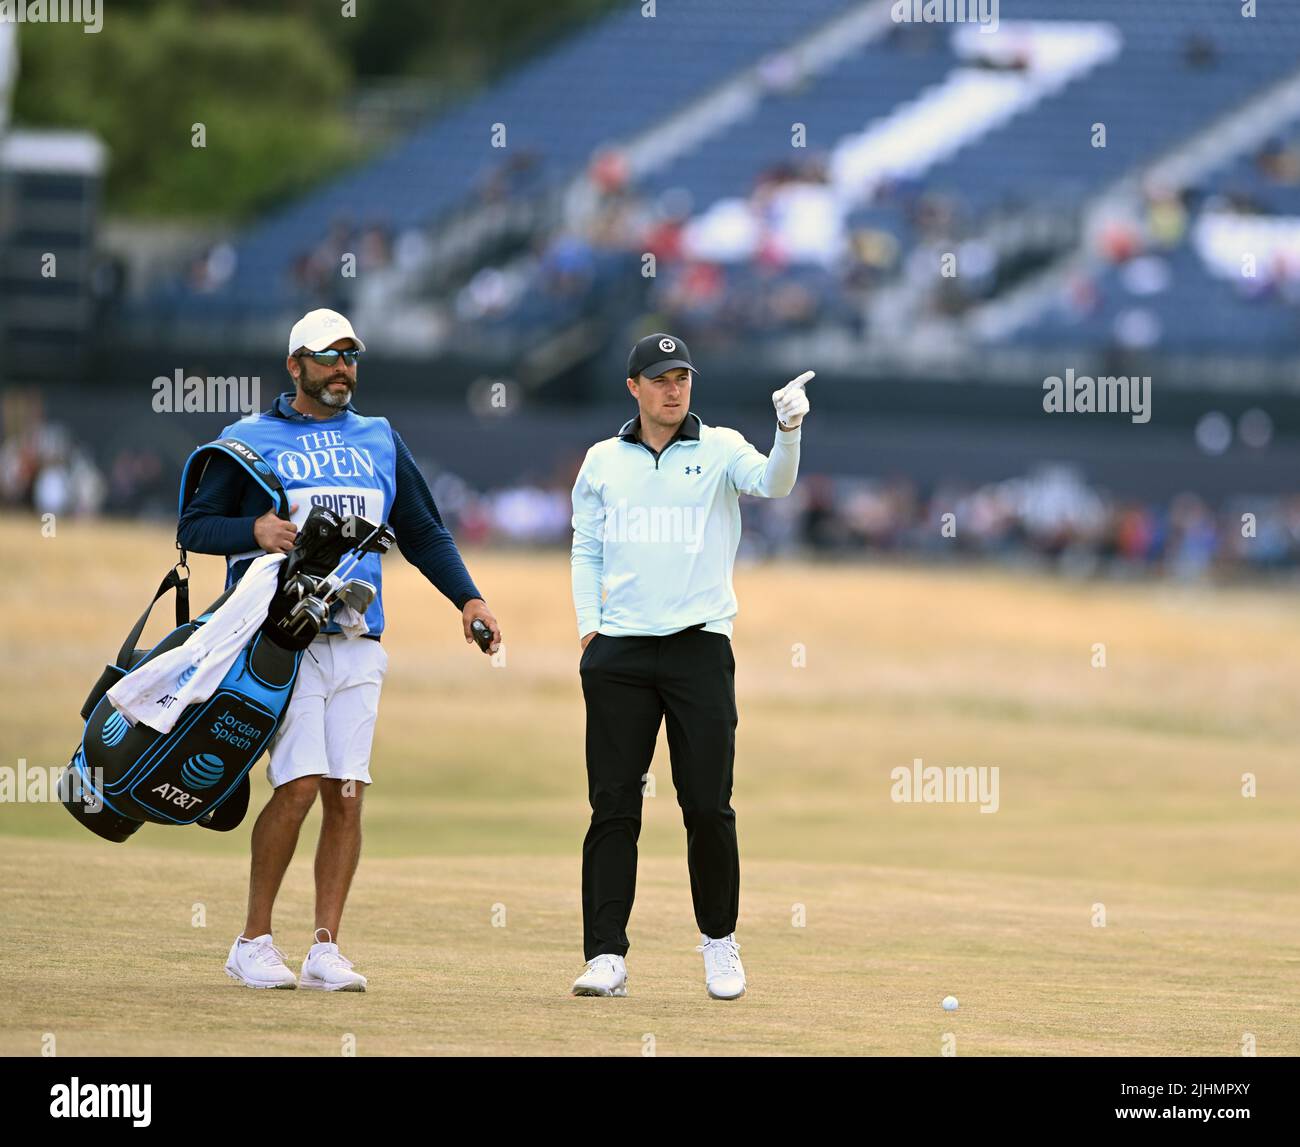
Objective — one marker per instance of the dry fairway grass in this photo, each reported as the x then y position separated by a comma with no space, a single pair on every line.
1119,787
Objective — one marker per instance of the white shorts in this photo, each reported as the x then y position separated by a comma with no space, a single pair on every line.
330,723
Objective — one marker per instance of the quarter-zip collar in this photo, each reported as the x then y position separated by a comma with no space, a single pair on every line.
689,430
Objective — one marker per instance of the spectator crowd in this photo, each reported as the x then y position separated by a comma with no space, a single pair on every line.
1050,518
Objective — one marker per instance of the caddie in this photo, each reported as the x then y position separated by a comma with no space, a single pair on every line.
325,453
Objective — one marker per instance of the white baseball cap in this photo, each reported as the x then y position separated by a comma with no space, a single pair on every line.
317,329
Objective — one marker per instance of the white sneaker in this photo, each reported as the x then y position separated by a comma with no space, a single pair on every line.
326,970
606,975
257,963
724,975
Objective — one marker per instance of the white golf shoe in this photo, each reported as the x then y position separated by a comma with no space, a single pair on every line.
257,963
606,975
724,975
326,970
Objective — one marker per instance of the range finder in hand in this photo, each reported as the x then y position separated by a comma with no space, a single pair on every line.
482,634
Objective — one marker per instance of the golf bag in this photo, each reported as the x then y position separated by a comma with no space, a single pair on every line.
124,774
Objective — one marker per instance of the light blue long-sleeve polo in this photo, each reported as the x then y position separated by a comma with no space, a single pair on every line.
655,538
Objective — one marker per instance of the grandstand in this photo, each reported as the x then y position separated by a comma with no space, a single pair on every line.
557,110
920,139
675,136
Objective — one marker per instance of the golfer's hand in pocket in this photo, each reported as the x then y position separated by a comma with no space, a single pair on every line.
587,640
273,533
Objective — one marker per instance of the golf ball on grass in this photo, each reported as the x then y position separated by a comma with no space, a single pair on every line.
949,1003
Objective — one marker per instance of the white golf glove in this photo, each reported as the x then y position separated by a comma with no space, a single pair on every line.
791,402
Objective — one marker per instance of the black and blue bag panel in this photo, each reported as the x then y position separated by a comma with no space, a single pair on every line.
123,775
187,775
78,790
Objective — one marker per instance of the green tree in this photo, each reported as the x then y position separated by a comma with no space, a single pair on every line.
268,90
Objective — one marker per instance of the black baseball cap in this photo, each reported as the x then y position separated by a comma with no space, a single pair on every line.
657,354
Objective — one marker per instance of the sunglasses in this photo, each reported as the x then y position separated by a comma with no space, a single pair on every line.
330,357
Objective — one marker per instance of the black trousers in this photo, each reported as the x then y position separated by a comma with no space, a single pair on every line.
630,685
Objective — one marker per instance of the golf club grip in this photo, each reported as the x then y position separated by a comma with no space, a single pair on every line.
482,634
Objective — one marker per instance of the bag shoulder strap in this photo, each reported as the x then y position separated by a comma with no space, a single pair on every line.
173,580
192,474
247,457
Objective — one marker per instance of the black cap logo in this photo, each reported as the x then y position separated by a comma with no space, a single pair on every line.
657,354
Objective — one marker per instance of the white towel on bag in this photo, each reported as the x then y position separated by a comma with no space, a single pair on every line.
157,692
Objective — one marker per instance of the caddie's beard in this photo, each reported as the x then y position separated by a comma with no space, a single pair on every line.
321,391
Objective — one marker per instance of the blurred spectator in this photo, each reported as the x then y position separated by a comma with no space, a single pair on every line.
1050,516
138,482
45,471
1279,162
1166,218
213,269
1199,51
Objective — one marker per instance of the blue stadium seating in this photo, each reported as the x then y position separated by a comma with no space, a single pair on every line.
605,83
1183,63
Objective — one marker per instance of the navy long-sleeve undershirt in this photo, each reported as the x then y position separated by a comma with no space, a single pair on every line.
220,517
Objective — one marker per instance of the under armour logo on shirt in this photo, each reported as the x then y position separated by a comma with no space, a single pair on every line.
695,470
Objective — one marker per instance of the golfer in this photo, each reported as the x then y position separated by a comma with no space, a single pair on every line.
326,454
656,523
